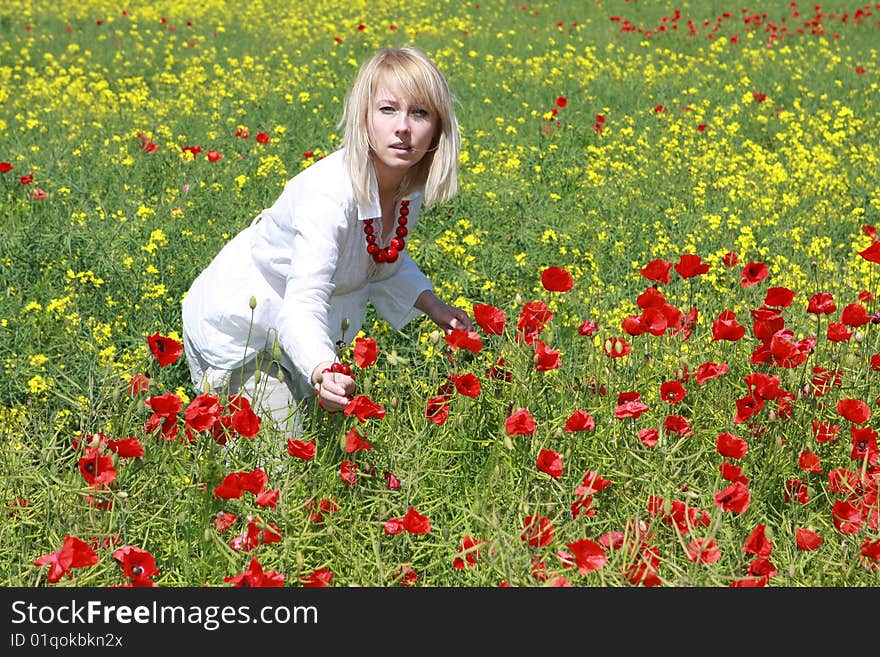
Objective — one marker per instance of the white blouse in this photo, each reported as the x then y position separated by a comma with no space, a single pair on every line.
305,262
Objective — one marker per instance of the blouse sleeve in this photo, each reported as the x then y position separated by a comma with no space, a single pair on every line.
394,297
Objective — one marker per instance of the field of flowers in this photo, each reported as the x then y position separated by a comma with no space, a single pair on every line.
665,233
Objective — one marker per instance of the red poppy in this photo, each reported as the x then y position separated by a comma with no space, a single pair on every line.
648,436
587,328
825,432
262,138
678,424
26,179
809,462
556,279
470,549
354,442
854,410
710,370
462,339
437,409
365,351
757,542
731,446
561,101
630,408
538,531
579,421
838,332
202,412
550,463
96,469
223,520
807,539
730,259
393,527
872,253
732,472
73,553
468,385
855,315
588,555
391,482
657,270
616,347
255,577
6,166
822,303
779,297
489,318
320,578
864,445
138,383
545,358
214,156
759,97
192,150
846,517
126,448
304,450
244,421
137,564
165,409
734,498
533,319
165,350
795,489
520,423
415,523
672,392
870,549
348,472
753,273
363,408
703,550
690,265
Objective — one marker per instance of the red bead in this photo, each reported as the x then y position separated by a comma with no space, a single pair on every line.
401,231
368,229
371,239
397,244
390,254
373,249
401,221
381,256
404,210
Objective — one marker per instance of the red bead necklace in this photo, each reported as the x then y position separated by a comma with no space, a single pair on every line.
397,243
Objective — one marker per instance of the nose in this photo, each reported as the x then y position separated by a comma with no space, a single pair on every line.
402,123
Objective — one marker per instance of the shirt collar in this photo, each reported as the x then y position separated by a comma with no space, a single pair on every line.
371,209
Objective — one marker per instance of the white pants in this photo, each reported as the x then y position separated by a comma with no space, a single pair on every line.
273,391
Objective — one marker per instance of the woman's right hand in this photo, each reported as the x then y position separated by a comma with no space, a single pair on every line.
333,389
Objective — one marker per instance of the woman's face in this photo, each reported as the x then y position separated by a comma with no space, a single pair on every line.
400,131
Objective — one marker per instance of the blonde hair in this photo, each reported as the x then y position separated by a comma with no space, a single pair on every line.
437,172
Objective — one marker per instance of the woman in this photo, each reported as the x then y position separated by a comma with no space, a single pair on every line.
265,316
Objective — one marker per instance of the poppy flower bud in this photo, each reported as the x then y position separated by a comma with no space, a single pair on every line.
435,336
859,337
252,303
345,324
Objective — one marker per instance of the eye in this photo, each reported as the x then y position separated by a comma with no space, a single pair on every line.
419,112
386,109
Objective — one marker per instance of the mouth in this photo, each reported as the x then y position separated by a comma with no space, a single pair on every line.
401,147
